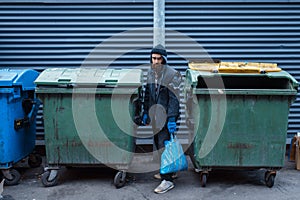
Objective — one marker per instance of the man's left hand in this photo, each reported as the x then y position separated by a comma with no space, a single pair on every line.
171,125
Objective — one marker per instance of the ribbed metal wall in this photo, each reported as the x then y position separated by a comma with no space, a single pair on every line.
50,34
42,35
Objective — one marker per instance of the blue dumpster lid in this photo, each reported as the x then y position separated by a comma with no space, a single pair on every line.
23,78
90,76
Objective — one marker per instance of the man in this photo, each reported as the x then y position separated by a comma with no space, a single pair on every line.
161,105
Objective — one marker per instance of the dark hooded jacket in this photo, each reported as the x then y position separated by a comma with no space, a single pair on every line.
165,93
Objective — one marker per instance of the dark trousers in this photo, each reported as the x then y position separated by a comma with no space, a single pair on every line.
159,140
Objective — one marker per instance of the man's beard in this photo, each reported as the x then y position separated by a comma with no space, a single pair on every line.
157,67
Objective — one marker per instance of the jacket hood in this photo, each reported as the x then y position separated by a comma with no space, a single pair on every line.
159,49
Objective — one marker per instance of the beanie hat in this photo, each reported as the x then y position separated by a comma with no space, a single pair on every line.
159,49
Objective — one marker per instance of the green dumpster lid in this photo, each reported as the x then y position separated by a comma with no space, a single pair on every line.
23,78
90,77
192,76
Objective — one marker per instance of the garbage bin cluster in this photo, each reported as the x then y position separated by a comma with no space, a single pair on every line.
236,120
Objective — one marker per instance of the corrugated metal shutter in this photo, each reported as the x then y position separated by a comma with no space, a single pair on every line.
42,35
252,32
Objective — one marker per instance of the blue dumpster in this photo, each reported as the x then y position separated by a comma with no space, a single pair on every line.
18,108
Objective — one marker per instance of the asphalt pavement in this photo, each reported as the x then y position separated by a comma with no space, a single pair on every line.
98,184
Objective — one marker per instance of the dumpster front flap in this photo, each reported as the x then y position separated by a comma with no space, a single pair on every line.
72,77
23,78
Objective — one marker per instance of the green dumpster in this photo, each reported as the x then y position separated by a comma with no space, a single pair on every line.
88,118
238,120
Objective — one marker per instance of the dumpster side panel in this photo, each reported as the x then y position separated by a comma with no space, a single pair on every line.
253,134
121,132
15,144
4,129
64,145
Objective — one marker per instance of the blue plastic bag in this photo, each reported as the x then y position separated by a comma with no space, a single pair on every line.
173,158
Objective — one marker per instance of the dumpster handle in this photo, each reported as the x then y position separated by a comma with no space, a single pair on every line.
67,80
25,122
35,107
111,81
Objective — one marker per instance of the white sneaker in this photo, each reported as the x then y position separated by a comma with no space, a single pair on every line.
157,176
164,186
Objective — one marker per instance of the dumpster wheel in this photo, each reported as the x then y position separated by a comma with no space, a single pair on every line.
14,178
120,179
34,160
270,178
45,179
203,178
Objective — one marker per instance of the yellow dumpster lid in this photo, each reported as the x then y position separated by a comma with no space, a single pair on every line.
90,77
234,67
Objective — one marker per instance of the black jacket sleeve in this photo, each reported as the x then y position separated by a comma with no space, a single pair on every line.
174,96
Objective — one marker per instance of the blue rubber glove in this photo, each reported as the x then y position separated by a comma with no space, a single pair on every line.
145,119
171,125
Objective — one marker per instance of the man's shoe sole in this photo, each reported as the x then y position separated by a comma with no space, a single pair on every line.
161,192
